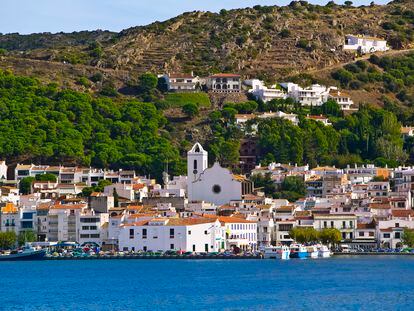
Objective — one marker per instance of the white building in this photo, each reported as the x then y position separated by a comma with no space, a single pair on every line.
216,184
365,44
343,99
224,83
92,227
314,95
181,82
184,234
262,92
3,170
239,233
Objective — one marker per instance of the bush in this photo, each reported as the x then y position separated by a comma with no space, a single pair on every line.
190,110
97,77
285,33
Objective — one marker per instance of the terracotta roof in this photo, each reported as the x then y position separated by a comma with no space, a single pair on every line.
138,186
402,213
239,178
371,225
379,206
10,208
69,206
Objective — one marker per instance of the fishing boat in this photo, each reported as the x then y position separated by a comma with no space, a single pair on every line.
324,251
277,252
312,251
27,253
298,251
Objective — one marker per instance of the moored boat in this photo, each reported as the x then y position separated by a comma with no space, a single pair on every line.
312,251
28,253
298,251
277,252
324,251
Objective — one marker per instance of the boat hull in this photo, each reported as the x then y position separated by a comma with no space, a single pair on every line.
36,255
324,254
301,255
313,254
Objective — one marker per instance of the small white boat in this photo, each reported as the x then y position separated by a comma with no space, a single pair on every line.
312,251
277,252
324,251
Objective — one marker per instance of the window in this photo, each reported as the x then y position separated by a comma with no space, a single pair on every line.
144,233
397,235
332,224
171,233
171,246
195,164
131,233
387,235
189,232
206,247
371,234
361,233
216,189
144,248
397,225
193,247
343,224
325,224
85,227
205,232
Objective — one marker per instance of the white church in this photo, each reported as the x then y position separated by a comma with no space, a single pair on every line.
216,184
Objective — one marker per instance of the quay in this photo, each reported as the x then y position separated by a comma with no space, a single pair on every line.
373,254
125,257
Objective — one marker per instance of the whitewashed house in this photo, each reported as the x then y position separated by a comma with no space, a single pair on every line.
365,44
180,234
92,227
224,83
178,82
314,95
261,92
343,99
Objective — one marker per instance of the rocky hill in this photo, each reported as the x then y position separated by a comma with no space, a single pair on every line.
269,42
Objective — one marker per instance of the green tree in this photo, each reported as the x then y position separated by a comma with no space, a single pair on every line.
331,108
190,110
26,236
408,238
7,239
147,83
348,3
25,185
46,177
330,236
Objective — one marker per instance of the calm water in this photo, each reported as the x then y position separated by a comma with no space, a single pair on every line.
367,283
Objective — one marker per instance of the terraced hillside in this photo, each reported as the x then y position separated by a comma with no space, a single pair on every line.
270,42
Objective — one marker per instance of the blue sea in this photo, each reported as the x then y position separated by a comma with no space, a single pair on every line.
340,283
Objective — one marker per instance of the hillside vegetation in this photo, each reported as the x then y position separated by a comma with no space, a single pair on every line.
269,42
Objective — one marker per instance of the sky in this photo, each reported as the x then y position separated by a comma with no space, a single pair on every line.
30,16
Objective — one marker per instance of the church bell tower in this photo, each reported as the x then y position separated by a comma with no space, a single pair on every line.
197,162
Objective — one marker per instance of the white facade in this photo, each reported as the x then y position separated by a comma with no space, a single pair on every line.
163,234
260,91
365,44
224,83
3,170
181,82
92,227
315,95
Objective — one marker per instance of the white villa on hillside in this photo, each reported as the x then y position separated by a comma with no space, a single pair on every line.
262,92
365,44
224,83
177,82
314,95
342,98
